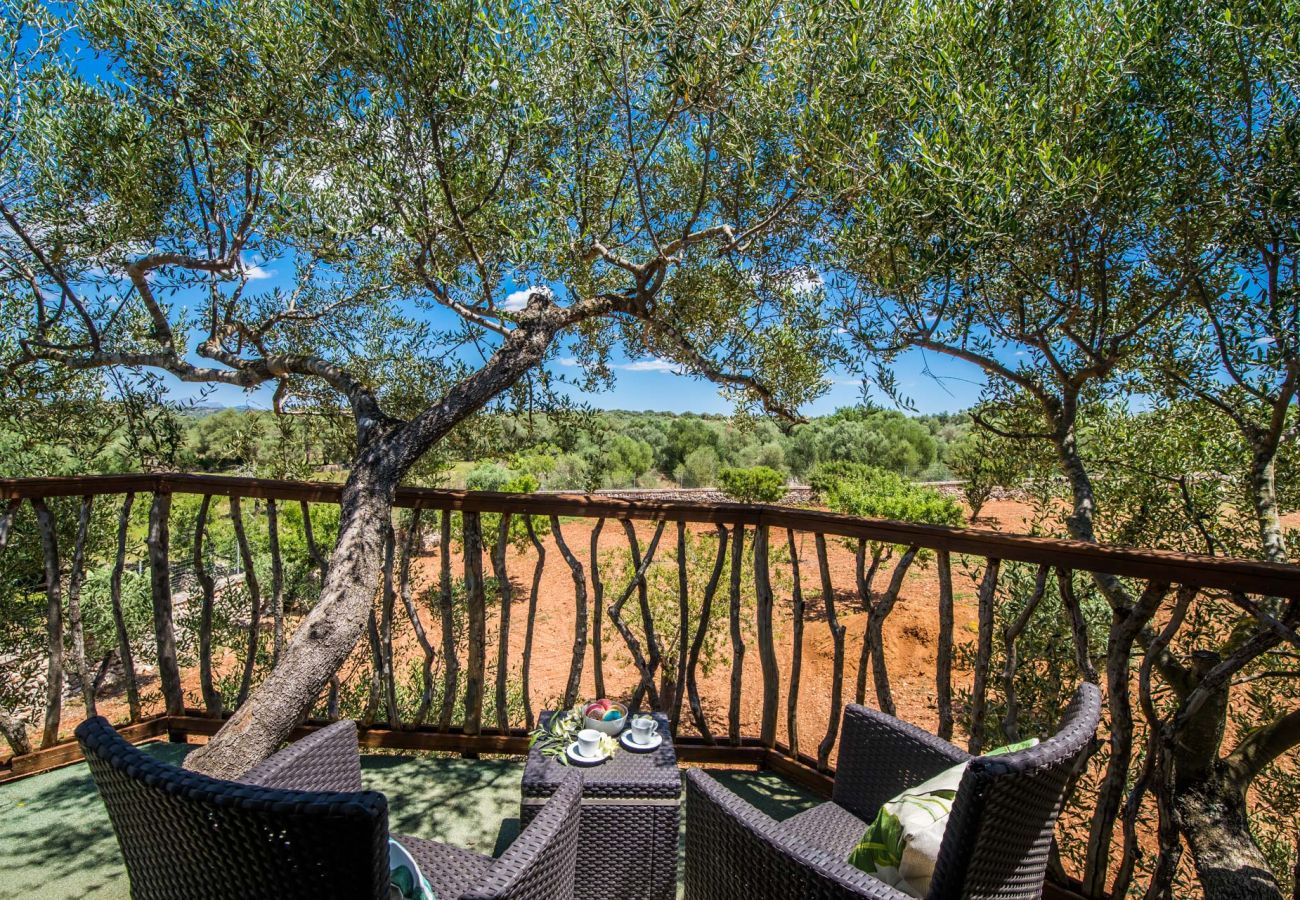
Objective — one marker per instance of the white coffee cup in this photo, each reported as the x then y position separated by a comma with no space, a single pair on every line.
644,730
589,743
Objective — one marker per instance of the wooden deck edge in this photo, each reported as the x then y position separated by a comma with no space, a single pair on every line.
66,753
690,750
799,772
1055,891
423,738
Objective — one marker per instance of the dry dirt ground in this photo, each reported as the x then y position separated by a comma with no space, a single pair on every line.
910,631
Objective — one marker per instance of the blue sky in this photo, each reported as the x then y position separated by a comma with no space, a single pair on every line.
649,385
933,382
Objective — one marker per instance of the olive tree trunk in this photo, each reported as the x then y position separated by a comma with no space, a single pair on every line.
387,450
1263,490
1209,793
1229,864
323,640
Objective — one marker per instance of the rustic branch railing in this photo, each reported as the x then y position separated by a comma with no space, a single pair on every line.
463,648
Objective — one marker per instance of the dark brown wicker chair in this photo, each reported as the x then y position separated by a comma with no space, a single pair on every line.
300,826
995,847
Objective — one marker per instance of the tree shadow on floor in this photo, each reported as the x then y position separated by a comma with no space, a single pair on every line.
472,804
55,836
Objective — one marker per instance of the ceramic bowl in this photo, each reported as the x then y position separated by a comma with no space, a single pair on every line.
608,726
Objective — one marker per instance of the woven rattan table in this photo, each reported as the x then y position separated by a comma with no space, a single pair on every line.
631,806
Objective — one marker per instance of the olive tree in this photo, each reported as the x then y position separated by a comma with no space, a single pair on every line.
1234,114
1023,191
998,204
1230,99
530,175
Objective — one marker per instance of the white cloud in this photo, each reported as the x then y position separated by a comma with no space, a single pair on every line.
651,365
251,270
517,300
804,281
1266,340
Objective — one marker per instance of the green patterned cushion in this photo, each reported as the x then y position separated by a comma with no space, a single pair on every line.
404,879
901,845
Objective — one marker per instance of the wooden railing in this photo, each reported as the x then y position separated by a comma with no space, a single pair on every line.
735,620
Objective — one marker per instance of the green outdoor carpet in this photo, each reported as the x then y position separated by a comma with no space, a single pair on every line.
56,841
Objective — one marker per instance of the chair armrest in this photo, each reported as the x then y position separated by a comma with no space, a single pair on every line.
737,852
881,756
542,862
325,760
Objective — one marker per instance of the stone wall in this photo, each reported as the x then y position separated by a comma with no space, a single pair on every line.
794,494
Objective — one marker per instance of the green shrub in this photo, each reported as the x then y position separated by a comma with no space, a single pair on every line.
700,468
984,463
490,477
823,477
627,454
538,460
871,493
877,494
648,480
571,473
759,484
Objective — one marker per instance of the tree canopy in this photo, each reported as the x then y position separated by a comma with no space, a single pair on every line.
530,171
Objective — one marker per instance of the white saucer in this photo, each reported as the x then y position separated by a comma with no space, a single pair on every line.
579,760
626,740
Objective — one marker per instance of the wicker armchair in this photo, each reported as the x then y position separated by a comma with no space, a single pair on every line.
995,847
299,825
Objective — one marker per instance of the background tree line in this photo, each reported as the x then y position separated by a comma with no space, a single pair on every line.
585,450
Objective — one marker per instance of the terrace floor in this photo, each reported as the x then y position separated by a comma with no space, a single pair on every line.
56,841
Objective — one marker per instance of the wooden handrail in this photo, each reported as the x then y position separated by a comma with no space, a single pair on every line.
1250,576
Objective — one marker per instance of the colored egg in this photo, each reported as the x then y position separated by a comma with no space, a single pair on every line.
612,715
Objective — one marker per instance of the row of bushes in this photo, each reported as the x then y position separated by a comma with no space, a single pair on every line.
854,488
